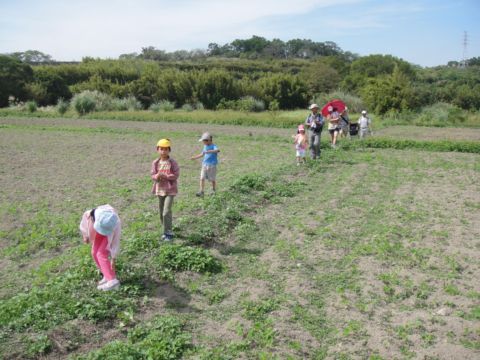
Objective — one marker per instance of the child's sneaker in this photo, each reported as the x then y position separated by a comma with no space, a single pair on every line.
199,194
109,285
103,281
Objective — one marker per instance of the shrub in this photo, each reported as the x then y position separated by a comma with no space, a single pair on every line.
163,105
62,106
155,107
274,106
126,104
198,106
31,106
103,102
187,107
246,103
84,102
440,114
249,103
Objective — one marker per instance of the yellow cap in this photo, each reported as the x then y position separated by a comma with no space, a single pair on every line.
164,143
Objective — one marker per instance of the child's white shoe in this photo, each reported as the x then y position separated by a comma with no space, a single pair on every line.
109,285
103,281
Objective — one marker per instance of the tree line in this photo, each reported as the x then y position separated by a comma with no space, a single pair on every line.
287,75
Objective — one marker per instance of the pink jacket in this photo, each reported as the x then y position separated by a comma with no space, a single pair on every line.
166,185
88,232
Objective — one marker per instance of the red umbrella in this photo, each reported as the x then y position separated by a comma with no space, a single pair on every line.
337,104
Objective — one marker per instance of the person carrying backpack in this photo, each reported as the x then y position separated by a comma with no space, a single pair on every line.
314,123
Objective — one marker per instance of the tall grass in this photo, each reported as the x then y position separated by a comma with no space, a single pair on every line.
84,102
129,103
438,115
31,106
62,106
162,105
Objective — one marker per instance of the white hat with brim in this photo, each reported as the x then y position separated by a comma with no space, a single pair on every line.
205,136
313,106
105,221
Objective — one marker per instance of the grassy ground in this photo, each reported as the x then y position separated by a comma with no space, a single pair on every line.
367,253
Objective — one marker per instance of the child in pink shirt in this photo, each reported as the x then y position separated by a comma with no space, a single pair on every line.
101,227
164,173
301,144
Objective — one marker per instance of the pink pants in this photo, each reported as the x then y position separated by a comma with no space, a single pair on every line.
100,255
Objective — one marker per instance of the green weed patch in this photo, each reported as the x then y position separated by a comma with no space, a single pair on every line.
186,258
442,145
162,338
68,296
42,231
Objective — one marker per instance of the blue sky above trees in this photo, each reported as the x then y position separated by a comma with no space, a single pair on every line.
423,32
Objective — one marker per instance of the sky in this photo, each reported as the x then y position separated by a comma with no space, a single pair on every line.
422,32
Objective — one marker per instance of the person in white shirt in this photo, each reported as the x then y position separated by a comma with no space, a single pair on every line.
365,125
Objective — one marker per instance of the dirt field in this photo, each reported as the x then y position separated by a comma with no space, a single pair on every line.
366,254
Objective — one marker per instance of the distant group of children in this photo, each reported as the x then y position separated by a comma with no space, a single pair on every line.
338,125
101,226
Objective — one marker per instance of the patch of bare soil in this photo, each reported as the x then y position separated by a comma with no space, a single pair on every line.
426,324
40,167
80,337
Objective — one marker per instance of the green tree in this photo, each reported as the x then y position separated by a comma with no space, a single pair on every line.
475,61
215,85
147,86
467,97
320,78
14,75
48,86
388,93
254,45
33,57
373,66
287,89
150,53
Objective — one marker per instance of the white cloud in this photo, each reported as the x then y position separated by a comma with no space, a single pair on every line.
70,30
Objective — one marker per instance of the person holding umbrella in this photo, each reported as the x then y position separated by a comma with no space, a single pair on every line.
332,111
333,118
314,123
